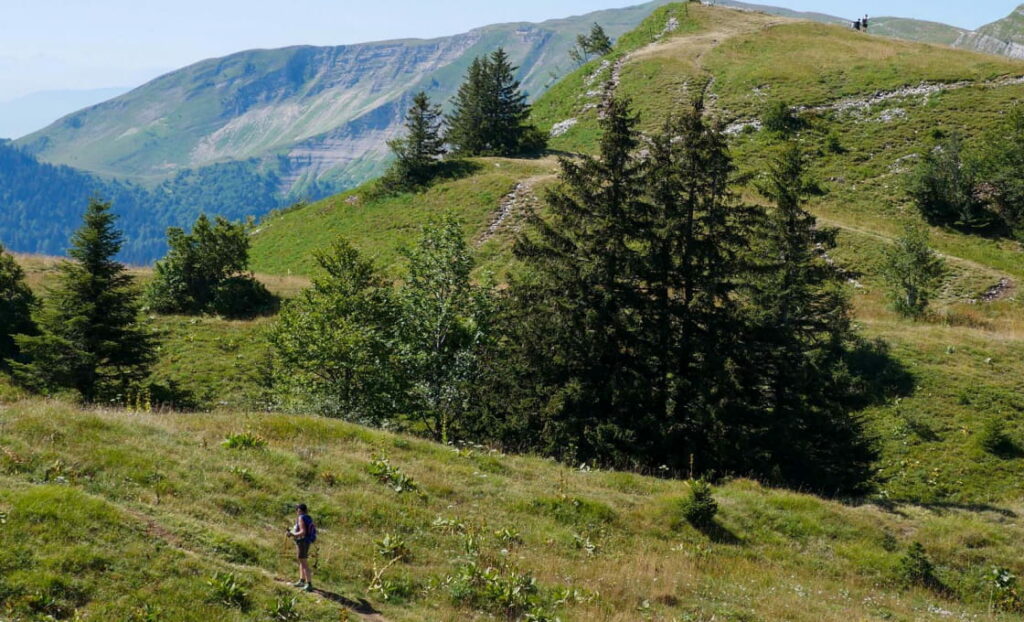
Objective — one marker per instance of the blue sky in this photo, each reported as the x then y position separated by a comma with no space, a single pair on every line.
87,44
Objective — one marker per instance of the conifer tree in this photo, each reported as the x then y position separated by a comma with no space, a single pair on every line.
573,316
490,112
466,123
695,236
801,331
16,304
417,152
598,42
91,340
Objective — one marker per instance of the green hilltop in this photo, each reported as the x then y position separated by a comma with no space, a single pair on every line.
597,545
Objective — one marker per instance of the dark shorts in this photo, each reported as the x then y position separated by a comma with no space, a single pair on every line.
303,546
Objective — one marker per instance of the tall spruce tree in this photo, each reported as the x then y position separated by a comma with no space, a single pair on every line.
91,340
573,316
16,304
490,111
417,152
695,236
799,386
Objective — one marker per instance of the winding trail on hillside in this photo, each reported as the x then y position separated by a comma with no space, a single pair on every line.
512,207
361,608
1004,284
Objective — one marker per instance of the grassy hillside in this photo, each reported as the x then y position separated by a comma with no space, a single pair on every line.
961,368
88,495
597,545
285,242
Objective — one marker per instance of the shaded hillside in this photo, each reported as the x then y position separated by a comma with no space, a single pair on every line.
42,204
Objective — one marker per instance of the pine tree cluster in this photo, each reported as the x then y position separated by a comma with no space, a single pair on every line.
488,118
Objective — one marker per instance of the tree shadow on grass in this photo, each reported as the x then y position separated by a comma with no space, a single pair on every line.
880,377
451,170
718,533
361,606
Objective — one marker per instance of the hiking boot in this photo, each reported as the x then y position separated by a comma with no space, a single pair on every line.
308,588
299,583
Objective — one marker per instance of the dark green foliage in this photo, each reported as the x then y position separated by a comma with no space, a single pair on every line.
490,112
16,304
91,340
699,507
943,186
42,202
799,318
993,439
334,345
205,271
1002,170
778,118
913,271
416,154
646,331
915,568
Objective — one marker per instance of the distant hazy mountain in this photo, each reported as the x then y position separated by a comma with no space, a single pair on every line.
312,113
32,112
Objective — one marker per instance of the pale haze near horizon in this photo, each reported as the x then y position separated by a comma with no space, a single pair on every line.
79,44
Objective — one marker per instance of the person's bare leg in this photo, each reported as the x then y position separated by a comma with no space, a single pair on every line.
304,570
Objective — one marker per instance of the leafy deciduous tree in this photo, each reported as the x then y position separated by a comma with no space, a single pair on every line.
913,271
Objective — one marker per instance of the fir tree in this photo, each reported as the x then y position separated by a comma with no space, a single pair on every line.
466,123
598,42
573,317
416,153
91,340
800,335
695,236
490,112
16,304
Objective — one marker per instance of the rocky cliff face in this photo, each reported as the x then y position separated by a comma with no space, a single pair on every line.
315,113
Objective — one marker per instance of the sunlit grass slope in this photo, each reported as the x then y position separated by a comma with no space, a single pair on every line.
114,515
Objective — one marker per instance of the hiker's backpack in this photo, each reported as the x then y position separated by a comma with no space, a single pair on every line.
310,527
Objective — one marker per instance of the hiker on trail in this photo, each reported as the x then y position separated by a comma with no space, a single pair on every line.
304,534
856,24
864,23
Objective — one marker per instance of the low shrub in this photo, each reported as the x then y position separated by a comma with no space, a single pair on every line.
244,440
226,590
699,507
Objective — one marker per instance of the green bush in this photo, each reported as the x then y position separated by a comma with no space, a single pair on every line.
393,547
242,296
915,568
993,438
778,118
382,469
699,507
